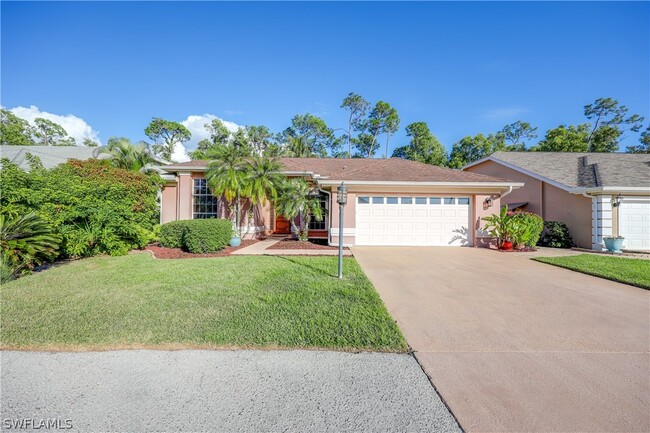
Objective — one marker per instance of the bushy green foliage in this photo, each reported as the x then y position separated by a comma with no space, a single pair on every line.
527,228
500,226
171,234
555,234
6,271
25,241
206,235
520,228
96,208
197,236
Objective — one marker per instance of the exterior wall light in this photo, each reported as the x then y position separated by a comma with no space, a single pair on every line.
488,203
616,200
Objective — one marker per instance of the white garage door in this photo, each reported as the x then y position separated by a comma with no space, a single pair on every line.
412,220
634,223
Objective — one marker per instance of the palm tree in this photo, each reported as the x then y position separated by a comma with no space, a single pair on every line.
263,178
25,240
227,176
299,199
124,154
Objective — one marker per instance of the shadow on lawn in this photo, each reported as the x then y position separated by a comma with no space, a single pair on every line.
306,265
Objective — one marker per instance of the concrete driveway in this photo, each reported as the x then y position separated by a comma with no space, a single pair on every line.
515,345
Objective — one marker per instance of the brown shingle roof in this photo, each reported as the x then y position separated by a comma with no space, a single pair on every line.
371,170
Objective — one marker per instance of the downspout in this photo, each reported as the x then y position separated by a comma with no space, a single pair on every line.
505,194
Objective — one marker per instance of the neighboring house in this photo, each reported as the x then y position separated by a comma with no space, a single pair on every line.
390,201
50,156
582,190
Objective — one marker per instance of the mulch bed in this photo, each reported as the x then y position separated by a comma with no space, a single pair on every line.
176,253
292,244
516,250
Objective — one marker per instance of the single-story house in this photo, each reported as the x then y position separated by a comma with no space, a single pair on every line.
594,194
390,201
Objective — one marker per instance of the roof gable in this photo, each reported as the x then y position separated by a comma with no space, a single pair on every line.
579,170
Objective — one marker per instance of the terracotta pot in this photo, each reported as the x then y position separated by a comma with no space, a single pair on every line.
506,245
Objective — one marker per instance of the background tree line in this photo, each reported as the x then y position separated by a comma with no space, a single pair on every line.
366,134
17,131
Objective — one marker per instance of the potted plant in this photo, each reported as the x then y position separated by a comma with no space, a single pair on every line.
235,238
502,227
614,243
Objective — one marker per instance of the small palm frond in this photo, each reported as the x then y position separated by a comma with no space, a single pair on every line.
25,239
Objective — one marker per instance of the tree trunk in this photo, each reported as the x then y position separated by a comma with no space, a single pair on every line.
387,138
238,216
350,136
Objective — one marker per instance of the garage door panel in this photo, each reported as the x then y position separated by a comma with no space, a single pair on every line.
413,221
361,212
634,222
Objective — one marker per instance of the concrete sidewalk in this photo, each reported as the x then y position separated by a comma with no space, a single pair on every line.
223,391
261,249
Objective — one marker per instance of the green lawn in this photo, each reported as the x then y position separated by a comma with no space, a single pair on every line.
635,272
138,301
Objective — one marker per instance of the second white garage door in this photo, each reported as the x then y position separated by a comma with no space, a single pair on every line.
412,220
634,223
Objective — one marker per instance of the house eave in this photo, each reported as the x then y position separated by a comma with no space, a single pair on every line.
605,190
330,182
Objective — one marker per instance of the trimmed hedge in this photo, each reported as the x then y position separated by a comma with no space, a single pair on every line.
197,236
171,234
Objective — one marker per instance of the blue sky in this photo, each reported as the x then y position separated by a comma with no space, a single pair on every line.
461,67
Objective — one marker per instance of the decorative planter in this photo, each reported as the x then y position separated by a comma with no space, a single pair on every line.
235,241
614,245
506,245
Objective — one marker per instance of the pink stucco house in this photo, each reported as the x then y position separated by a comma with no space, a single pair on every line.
594,194
390,201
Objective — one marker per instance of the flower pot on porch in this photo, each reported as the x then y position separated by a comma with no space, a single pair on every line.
614,245
235,241
506,245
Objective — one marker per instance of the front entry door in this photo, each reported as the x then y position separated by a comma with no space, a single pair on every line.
282,225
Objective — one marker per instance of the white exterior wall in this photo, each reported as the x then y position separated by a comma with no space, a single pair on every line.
601,221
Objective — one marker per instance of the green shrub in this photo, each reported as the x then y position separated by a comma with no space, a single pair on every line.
527,228
555,234
171,234
207,235
7,272
96,208
25,241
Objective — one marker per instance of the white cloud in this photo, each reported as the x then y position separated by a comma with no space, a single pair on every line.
180,154
74,126
506,113
196,125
